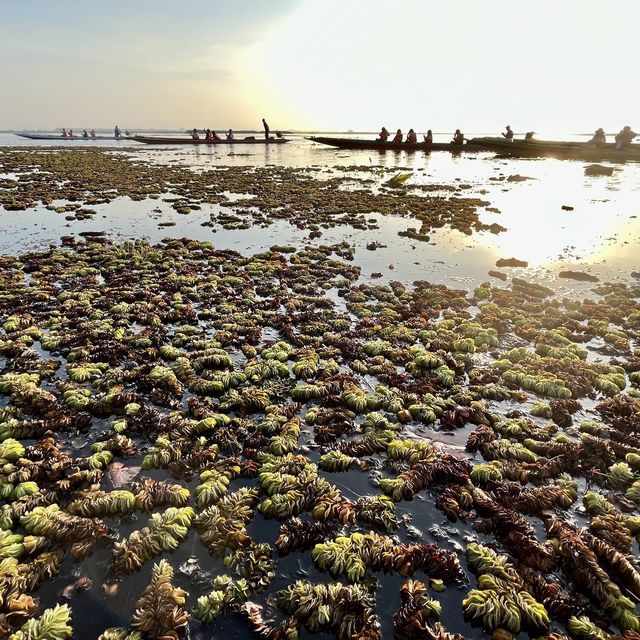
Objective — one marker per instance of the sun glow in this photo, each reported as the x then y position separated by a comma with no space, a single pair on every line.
545,235
554,67
359,64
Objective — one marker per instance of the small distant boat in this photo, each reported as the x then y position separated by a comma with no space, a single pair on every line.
558,149
59,136
250,140
377,145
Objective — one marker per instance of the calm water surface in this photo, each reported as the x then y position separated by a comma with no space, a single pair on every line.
600,235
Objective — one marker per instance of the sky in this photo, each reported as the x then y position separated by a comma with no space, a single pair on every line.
548,66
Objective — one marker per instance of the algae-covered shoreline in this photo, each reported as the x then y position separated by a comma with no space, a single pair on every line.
200,441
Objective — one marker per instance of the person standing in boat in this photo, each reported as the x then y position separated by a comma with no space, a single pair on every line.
625,137
230,135
117,133
458,137
509,134
398,136
599,138
383,136
428,139
412,138
266,128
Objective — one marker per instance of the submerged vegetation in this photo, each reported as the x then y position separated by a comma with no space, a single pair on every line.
258,438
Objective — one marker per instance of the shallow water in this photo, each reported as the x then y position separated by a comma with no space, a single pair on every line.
600,235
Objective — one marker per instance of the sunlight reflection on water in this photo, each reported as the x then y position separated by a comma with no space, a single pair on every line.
600,234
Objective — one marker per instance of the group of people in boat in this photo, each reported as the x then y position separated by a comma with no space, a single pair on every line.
412,137
85,134
508,133
211,136
68,133
599,139
623,139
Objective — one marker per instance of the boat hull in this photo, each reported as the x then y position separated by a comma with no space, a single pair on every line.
191,141
45,136
561,150
353,144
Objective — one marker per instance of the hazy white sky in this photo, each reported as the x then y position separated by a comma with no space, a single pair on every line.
551,66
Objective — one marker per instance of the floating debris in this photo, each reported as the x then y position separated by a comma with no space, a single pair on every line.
578,275
511,262
598,170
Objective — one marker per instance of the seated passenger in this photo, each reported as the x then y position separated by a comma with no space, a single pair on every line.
207,134
92,133
194,134
85,134
599,138
529,135
64,133
214,135
509,134
398,136
458,138
70,133
412,137
429,137
383,136
624,138
230,134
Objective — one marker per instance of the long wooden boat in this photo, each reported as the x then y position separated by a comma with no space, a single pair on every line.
558,149
377,145
59,136
251,140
